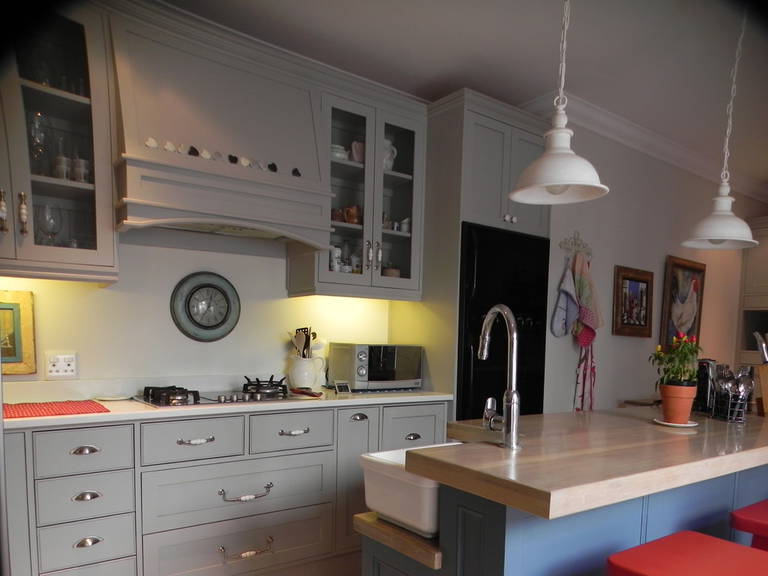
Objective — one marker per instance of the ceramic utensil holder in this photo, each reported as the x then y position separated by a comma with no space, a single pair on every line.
305,372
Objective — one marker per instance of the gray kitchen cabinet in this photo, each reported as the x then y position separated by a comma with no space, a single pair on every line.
377,180
495,153
259,505
358,433
15,470
241,546
183,440
56,165
754,295
412,426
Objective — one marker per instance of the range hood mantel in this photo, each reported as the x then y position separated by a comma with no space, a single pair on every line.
214,140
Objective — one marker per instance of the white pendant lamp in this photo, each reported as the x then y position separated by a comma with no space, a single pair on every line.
559,176
723,230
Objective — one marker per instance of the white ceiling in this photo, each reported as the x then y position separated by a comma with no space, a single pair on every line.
662,64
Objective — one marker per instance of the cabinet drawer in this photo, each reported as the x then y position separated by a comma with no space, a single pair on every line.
63,452
65,545
240,546
189,496
182,440
79,497
122,567
290,430
409,426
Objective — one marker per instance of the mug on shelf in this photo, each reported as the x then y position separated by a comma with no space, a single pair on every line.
357,151
80,172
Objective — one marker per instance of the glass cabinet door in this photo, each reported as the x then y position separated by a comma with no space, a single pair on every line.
351,129
57,161
398,225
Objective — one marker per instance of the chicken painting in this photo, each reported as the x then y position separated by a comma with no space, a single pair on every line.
685,292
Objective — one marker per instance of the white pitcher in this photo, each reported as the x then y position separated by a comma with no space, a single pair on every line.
305,372
390,153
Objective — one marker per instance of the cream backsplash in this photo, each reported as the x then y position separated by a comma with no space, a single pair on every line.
125,338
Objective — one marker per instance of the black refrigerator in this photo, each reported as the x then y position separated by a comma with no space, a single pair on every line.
501,267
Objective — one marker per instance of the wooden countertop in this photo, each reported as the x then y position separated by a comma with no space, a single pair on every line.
573,462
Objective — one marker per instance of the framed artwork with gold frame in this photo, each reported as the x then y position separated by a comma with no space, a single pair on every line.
17,332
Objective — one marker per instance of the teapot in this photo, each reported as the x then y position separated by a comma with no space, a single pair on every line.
390,153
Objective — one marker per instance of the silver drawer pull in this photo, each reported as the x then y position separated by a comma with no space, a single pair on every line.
195,441
413,436
293,432
85,450
86,496
249,553
359,417
246,497
87,542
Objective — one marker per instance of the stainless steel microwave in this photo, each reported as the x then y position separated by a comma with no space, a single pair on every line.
374,366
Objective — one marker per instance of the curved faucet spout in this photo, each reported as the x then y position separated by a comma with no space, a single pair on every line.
511,411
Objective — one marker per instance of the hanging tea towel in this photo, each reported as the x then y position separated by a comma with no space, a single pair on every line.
585,330
566,310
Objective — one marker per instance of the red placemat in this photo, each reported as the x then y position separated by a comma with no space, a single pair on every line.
32,409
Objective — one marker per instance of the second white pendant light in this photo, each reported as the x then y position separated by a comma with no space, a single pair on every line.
723,230
559,176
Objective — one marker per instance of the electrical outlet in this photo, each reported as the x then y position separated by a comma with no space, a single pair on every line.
60,365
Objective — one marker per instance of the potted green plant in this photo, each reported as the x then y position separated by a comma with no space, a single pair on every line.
677,369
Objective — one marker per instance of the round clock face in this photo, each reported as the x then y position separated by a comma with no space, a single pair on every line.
205,306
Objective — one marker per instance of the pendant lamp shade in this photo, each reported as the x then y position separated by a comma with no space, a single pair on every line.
558,176
721,230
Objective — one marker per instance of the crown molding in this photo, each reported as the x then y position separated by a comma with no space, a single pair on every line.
618,128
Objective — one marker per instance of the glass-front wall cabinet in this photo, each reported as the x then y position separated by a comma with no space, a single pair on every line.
373,211
58,197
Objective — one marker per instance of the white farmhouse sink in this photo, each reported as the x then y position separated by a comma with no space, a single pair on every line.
405,499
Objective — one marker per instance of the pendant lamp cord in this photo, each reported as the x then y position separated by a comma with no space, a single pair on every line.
561,100
725,175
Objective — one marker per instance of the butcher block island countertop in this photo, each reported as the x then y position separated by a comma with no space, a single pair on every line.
573,462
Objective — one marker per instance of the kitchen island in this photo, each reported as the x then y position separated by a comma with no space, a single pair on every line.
583,486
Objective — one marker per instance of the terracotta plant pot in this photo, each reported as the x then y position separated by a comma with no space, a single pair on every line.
676,402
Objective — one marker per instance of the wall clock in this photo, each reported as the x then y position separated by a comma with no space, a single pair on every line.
205,306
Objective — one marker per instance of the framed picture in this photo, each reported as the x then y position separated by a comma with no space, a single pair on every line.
632,302
683,296
17,333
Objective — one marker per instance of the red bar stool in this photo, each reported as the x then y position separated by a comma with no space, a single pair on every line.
688,553
753,519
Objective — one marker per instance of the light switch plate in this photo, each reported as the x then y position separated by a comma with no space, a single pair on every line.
60,365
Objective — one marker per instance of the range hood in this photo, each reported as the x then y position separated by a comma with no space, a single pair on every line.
216,138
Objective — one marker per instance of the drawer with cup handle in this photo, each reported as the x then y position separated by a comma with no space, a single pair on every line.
70,498
86,542
212,492
290,430
197,439
80,450
241,546
412,425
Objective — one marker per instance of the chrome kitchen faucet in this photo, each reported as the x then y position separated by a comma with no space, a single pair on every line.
511,410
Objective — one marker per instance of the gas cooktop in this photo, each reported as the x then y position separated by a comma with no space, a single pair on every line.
253,391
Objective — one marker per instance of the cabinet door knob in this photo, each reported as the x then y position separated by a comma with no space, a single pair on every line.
85,450
86,496
23,214
3,211
413,436
87,542
359,417
368,254
379,256
510,219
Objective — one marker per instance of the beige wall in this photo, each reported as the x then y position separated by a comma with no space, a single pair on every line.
125,330
651,208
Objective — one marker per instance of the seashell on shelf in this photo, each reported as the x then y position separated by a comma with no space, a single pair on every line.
169,146
151,143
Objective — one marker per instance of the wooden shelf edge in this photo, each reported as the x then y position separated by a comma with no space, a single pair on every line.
423,550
